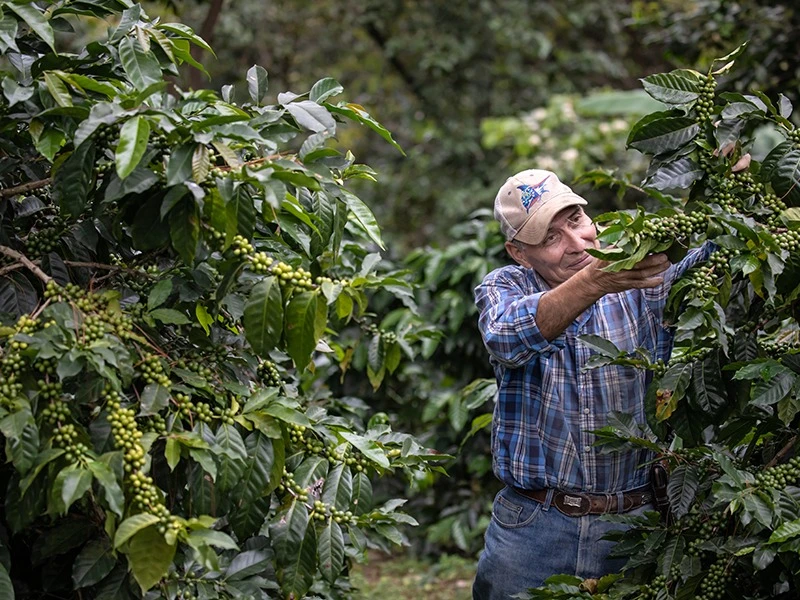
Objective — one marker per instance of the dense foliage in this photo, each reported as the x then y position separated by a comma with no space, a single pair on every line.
180,271
724,411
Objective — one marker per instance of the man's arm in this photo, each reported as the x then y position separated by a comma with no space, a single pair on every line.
564,303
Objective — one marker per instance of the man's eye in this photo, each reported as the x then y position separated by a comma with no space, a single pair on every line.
550,239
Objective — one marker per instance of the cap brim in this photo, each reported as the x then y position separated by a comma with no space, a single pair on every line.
534,230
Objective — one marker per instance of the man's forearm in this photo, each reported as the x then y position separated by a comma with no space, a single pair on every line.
563,304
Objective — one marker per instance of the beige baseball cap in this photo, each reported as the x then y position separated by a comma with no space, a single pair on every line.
527,203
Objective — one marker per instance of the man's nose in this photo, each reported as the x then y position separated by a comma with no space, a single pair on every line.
574,240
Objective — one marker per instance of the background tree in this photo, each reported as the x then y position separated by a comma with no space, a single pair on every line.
175,269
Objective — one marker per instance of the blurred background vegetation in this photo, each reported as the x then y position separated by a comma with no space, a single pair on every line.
474,91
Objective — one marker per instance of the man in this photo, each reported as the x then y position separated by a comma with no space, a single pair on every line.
548,518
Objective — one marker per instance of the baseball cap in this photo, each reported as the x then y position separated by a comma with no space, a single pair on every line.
527,203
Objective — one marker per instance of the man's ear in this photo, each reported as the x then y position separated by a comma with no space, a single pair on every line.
517,254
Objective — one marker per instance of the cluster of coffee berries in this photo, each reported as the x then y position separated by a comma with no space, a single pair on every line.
784,342
323,512
240,246
260,262
11,366
124,430
106,135
654,589
714,585
705,100
197,364
226,415
83,300
151,370
703,526
703,284
93,328
794,136
680,225
156,424
269,374
289,485
43,241
781,475
788,240
387,337
290,277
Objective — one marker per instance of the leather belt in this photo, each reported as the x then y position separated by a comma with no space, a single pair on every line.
576,504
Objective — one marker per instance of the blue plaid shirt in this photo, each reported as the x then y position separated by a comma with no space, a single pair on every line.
547,404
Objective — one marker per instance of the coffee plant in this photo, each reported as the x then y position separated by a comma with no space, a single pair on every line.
723,409
176,269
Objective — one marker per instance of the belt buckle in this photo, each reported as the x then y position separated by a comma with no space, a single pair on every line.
574,504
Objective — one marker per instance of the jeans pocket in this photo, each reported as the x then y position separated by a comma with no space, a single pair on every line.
511,510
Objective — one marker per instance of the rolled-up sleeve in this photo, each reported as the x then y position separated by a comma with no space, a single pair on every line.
507,305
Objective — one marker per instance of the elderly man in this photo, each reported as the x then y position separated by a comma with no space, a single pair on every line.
548,517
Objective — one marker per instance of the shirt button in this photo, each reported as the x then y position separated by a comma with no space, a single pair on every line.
587,448
586,411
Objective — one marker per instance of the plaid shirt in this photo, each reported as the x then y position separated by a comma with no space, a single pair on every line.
547,403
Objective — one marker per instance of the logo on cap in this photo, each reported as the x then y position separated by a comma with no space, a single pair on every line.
532,193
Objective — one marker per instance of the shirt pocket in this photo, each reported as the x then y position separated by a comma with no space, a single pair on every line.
512,510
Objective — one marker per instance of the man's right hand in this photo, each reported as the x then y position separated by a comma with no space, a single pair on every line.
644,274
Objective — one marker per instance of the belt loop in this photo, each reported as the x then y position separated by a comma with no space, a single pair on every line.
548,499
620,503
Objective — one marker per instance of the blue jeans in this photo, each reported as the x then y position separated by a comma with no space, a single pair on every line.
527,542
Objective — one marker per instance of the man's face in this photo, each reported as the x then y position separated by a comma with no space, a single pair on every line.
563,251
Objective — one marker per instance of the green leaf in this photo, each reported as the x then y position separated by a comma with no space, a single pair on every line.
8,37
142,68
306,318
324,89
71,484
74,178
358,114
677,175
131,526
684,481
150,557
36,21
179,166
676,87
24,450
288,530
170,316
132,145
600,345
363,216
663,135
368,448
785,532
312,116
155,398
159,293
184,230
58,90
338,488
257,83
201,163
263,316
94,562
247,564
111,488
331,551
6,587
298,574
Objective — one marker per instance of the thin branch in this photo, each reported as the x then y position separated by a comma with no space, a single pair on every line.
782,452
24,188
30,265
11,267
